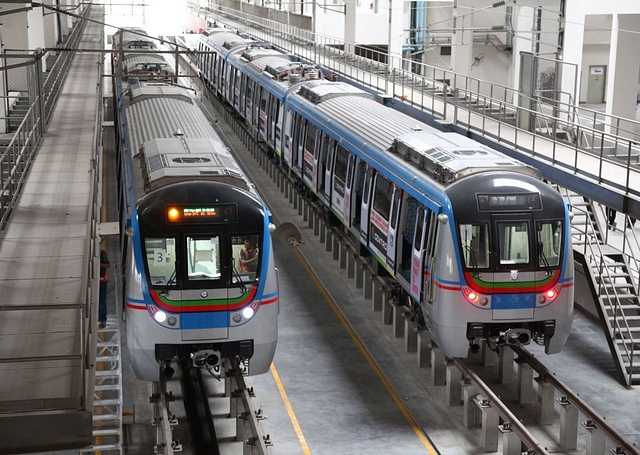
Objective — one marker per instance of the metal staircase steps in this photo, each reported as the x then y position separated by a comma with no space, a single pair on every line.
614,291
107,401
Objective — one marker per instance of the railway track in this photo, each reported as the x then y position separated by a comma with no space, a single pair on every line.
199,411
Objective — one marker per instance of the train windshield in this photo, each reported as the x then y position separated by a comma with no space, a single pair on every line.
161,260
246,257
475,245
513,244
549,243
203,258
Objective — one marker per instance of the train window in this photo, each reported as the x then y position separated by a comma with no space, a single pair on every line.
367,185
513,242
549,243
342,160
417,239
475,245
203,258
246,256
161,260
382,196
310,145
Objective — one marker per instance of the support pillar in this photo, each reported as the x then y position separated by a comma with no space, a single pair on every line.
424,349
488,357
525,382
398,321
453,394
360,272
438,370
511,444
595,438
386,316
377,296
410,335
490,419
568,424
351,263
505,365
367,285
343,255
545,398
470,413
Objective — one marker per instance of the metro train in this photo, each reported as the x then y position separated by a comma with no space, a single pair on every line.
187,210
479,245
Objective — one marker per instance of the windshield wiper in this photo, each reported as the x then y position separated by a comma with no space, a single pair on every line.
237,276
474,261
168,283
543,256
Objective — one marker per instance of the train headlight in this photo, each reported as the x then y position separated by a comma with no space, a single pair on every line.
248,312
243,315
160,316
471,295
549,295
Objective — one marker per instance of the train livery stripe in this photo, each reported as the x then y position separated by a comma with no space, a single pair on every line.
187,306
512,287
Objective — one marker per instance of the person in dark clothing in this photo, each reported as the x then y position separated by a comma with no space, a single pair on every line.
611,218
104,279
249,257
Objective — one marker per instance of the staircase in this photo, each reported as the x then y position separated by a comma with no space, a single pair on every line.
107,397
610,280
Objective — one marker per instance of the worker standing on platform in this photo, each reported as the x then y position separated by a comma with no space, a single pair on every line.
104,279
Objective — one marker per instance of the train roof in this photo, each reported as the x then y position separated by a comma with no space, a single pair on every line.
154,116
178,159
134,60
226,39
139,39
444,157
146,90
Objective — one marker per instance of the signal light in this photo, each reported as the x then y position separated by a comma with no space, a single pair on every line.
173,214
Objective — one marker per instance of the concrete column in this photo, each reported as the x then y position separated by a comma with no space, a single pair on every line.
398,321
424,349
511,444
487,356
410,335
545,398
438,370
360,272
377,296
368,284
470,413
386,316
316,223
351,263
344,252
595,439
323,232
624,66
350,26
505,365
462,48
490,419
525,382
568,424
453,394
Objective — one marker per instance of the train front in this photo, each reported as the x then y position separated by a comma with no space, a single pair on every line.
515,265
191,292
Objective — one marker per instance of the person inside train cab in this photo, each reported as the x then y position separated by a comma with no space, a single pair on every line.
249,257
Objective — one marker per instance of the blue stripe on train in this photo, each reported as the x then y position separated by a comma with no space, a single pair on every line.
208,320
512,301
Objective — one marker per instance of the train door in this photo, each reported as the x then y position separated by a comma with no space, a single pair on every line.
379,220
406,232
205,280
236,77
274,110
430,258
355,208
348,189
309,174
392,234
421,227
366,201
338,182
516,263
325,166
278,129
297,122
288,136
262,119
248,106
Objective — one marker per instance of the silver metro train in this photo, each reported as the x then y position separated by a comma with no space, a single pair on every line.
478,243
200,283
